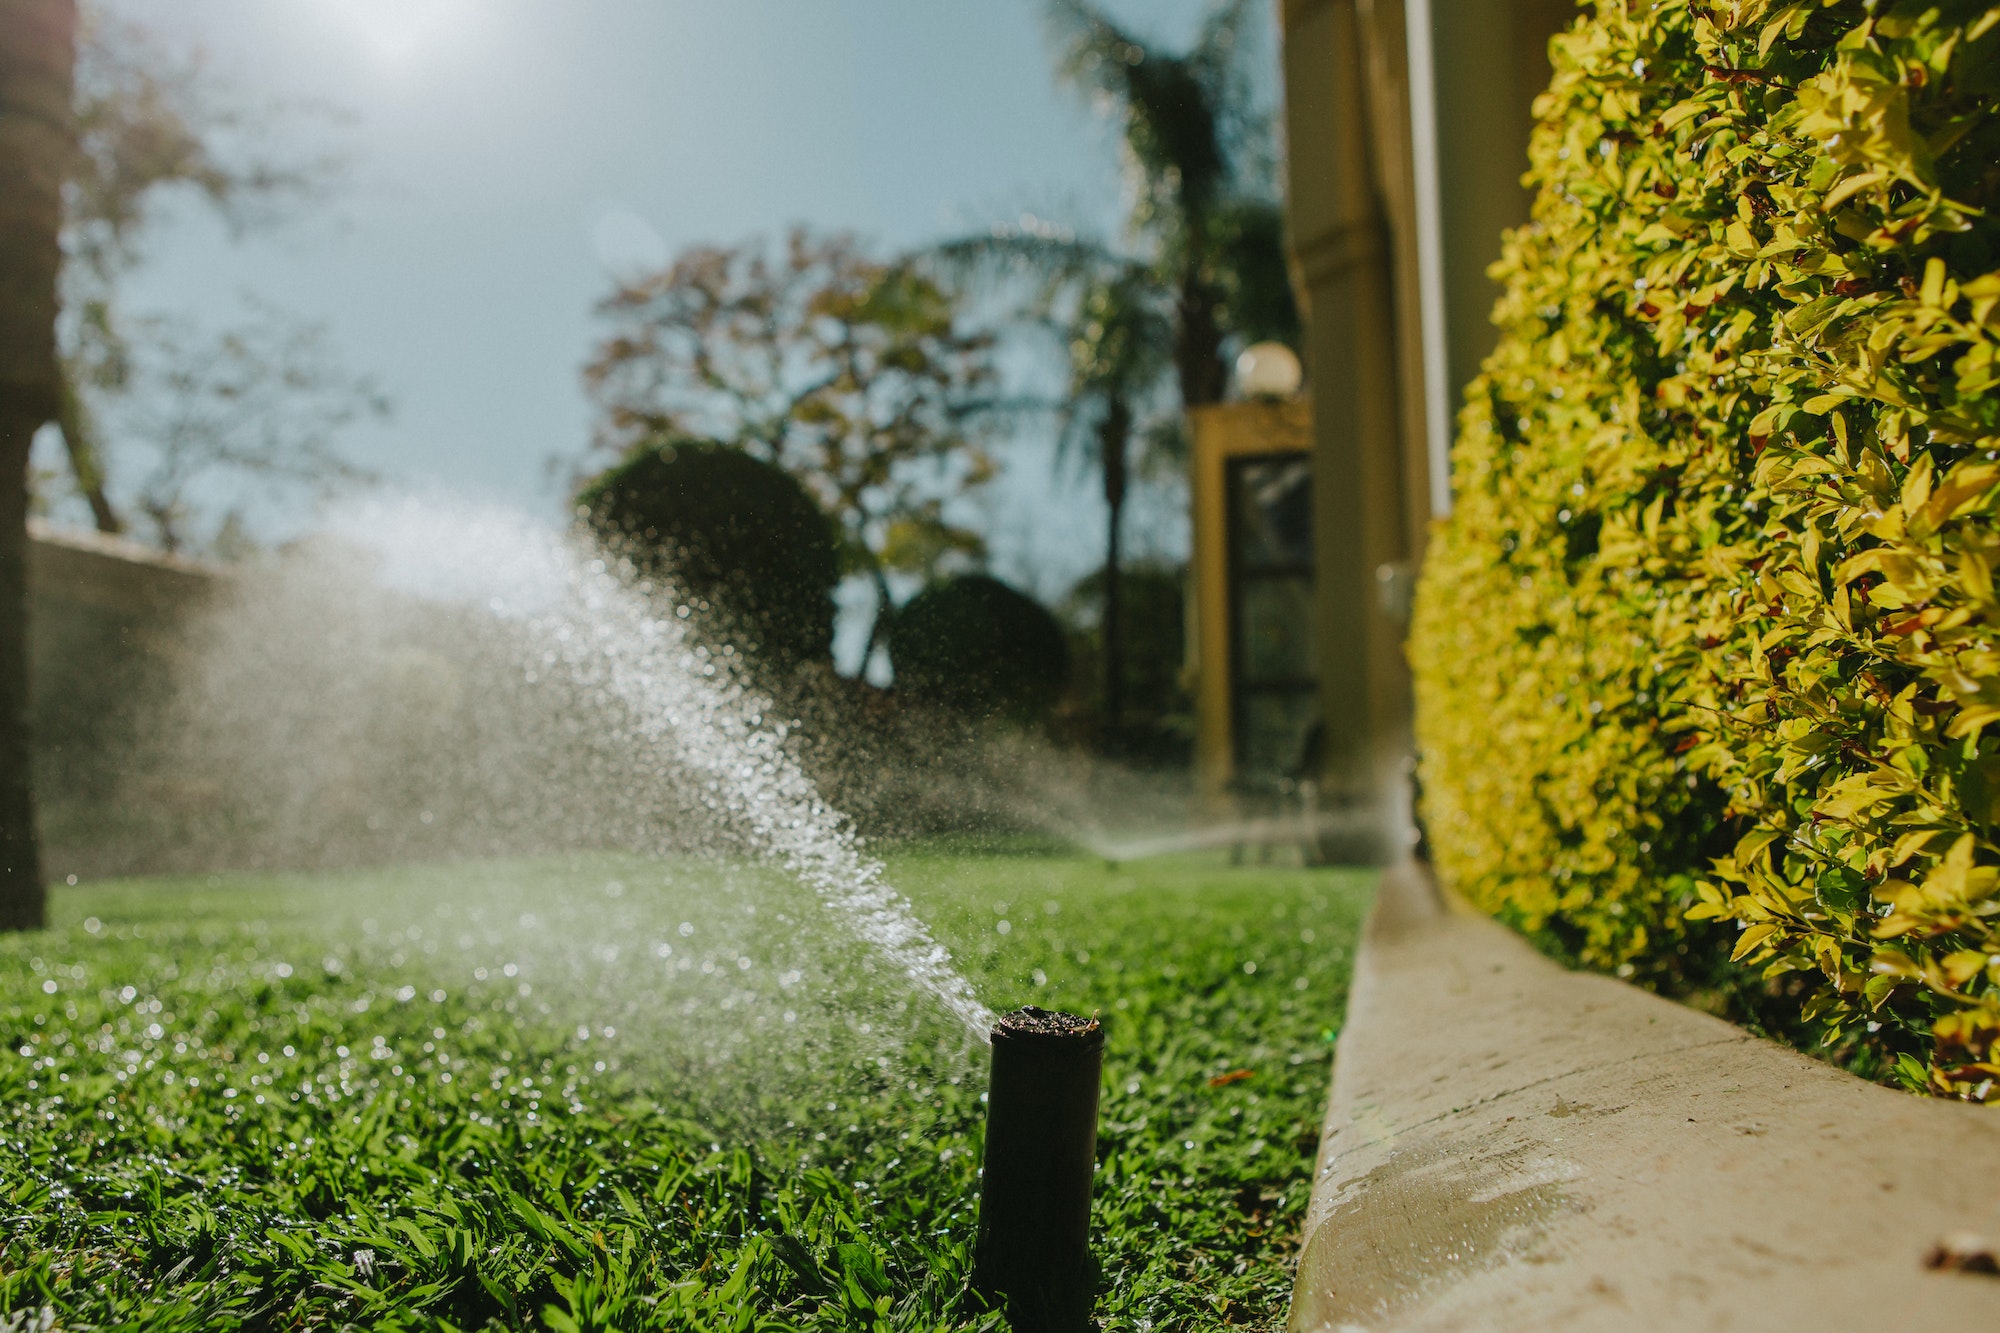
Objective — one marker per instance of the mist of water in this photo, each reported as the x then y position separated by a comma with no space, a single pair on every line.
431,678
683,702
1299,829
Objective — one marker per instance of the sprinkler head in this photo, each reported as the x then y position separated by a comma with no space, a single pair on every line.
1033,1251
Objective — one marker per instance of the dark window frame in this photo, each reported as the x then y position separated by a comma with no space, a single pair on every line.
1236,573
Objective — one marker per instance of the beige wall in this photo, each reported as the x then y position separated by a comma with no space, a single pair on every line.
1349,182
1490,60
107,628
1395,205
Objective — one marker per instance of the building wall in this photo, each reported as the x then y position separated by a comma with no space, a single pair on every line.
1491,58
1407,124
1350,181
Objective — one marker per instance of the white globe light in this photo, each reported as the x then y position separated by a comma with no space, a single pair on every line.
1268,370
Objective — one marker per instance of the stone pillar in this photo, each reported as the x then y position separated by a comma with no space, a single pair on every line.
1349,180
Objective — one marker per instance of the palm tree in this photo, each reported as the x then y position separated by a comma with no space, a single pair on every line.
1205,208
1113,321
1207,268
1118,341
37,66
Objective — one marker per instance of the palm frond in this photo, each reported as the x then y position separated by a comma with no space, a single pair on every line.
1252,271
1217,61
1180,112
1216,55
1009,254
1091,50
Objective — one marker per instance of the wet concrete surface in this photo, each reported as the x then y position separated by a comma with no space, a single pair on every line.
1513,1146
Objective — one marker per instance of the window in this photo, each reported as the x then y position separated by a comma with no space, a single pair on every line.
1273,671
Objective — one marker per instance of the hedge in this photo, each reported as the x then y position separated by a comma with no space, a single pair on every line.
977,646
1727,515
741,537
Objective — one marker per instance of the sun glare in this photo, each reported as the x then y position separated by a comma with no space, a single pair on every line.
397,32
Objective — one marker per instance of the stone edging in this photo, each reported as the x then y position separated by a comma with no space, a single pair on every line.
1511,1146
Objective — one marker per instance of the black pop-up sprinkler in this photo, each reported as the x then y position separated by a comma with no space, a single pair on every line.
1041,1147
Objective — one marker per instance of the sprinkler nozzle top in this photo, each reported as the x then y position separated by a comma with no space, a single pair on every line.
1047,1027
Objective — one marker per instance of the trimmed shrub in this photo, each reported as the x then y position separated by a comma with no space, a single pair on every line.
1157,726
731,531
1708,654
975,645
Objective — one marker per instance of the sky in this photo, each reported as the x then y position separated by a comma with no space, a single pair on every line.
504,157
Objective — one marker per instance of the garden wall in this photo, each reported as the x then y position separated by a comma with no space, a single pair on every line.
108,628
292,714
1708,653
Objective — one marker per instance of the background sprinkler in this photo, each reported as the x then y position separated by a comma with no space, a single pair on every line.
1041,1148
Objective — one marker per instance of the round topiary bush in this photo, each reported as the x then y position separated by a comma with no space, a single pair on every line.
729,530
1708,654
976,645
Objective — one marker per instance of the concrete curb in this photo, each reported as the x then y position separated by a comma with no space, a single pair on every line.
1513,1146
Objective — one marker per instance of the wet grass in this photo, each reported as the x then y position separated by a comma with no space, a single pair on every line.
612,1094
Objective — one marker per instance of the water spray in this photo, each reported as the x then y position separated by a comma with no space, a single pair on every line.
1033,1251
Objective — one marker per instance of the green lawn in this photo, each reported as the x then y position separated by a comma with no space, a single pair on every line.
612,1093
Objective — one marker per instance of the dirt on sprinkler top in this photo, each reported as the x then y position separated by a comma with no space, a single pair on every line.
1044,1024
